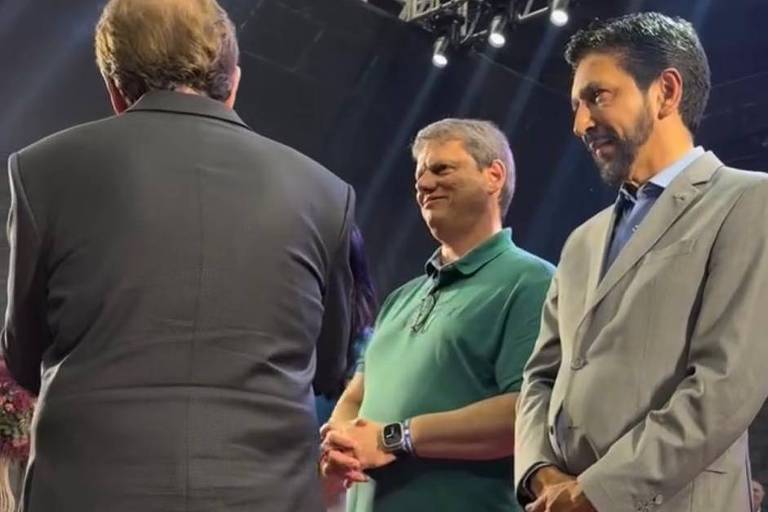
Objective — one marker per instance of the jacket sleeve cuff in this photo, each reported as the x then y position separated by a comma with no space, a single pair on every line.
525,493
604,501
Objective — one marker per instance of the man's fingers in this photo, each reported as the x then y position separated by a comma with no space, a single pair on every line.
354,477
540,505
342,465
331,469
340,461
337,441
327,427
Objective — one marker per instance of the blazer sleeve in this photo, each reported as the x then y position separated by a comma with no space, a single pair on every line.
25,336
333,343
725,385
532,446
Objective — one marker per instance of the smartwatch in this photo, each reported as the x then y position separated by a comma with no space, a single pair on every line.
396,438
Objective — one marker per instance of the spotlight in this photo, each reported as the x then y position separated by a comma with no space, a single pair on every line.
440,53
496,37
559,12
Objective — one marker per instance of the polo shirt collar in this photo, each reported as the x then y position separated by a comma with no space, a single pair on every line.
474,259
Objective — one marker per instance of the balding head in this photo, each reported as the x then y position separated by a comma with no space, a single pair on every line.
144,45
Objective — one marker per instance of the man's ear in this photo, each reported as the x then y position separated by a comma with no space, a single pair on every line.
670,92
119,103
497,176
236,75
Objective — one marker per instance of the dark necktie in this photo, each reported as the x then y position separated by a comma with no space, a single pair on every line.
631,209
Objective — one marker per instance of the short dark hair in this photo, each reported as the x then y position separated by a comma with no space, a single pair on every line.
646,44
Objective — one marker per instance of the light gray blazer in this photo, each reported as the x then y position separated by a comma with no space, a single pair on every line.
643,383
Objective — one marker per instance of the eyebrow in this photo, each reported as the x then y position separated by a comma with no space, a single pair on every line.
586,92
436,164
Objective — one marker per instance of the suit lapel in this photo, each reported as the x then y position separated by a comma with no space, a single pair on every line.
600,239
675,200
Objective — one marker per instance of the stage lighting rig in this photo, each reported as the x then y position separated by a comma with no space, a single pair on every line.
558,12
440,52
462,23
497,36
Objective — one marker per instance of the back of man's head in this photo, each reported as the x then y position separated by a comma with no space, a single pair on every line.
145,45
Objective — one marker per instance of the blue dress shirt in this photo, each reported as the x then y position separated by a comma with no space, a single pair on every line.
632,205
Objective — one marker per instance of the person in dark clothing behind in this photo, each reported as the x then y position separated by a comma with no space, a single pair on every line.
363,307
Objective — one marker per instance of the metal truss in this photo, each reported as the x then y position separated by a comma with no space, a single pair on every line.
457,18
417,10
466,21
532,8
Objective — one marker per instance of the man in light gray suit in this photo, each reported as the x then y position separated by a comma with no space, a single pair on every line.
181,281
650,362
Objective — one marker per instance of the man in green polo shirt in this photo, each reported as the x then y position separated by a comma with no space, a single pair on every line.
427,424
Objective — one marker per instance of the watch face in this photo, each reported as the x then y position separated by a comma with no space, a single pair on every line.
393,434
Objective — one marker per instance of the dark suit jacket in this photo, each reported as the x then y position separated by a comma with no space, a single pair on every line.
182,280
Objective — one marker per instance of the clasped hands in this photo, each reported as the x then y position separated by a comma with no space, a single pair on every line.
350,448
558,492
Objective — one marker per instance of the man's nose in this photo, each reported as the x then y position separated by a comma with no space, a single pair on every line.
426,182
582,121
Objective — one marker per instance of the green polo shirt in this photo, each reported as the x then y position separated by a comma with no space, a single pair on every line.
460,334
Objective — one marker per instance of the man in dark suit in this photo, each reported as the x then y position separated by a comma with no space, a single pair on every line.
176,283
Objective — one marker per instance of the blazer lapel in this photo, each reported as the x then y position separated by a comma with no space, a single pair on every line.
600,239
668,208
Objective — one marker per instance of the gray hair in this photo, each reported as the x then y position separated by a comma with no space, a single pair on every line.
483,140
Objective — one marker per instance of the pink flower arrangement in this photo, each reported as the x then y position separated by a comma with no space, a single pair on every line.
16,408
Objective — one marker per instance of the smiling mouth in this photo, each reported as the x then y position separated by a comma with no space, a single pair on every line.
431,200
599,147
